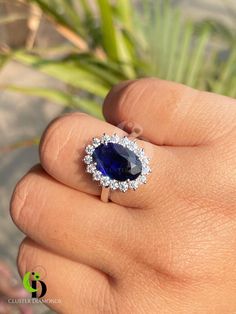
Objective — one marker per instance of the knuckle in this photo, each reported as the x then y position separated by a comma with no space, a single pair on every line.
56,136
19,199
168,97
127,99
117,98
23,196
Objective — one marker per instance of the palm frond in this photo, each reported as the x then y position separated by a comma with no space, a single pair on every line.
111,41
62,98
108,30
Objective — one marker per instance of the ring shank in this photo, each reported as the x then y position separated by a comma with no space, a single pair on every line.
105,194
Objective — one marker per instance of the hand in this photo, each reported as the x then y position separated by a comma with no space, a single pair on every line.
170,246
9,290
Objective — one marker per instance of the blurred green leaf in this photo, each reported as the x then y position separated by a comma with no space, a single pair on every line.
164,33
124,40
12,18
125,12
50,10
173,47
70,13
228,71
184,52
4,58
197,59
53,95
107,71
108,29
61,98
125,55
86,7
66,72
24,143
232,90
217,28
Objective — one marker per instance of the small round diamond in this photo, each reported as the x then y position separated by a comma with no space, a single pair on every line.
123,186
115,138
142,179
139,152
146,169
144,159
114,185
97,175
89,149
135,147
133,184
105,139
91,168
105,181
96,142
88,159
131,145
124,141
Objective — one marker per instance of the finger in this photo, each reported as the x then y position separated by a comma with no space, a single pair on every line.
5,270
10,291
72,223
4,308
62,149
171,113
62,153
85,286
25,309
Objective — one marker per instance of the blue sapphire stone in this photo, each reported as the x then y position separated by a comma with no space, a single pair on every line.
117,162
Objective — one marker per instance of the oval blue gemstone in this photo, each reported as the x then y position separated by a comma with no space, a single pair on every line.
117,162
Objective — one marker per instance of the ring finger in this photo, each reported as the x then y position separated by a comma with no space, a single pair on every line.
62,152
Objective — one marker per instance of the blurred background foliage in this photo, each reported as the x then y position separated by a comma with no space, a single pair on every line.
110,41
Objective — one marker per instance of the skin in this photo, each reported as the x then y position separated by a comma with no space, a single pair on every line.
10,290
170,246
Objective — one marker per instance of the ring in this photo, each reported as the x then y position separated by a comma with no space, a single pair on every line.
117,163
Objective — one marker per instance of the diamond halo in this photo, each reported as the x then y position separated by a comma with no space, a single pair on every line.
104,180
